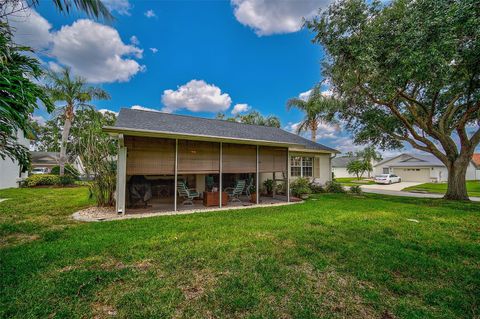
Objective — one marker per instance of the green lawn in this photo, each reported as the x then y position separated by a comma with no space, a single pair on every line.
473,188
334,256
351,181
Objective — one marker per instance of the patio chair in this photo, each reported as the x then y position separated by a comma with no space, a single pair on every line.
188,194
235,192
249,187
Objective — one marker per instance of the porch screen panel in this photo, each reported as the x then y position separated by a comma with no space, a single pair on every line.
272,159
239,158
150,156
198,157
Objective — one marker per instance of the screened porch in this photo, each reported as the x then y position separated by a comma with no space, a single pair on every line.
166,174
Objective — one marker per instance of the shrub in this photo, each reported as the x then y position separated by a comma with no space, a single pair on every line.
268,186
69,170
316,188
334,187
102,187
66,180
356,189
300,186
38,180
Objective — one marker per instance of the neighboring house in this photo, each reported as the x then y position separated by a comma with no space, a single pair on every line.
10,171
476,162
45,160
418,168
158,149
339,166
48,160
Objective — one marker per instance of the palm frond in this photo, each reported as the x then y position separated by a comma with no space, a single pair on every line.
92,8
296,103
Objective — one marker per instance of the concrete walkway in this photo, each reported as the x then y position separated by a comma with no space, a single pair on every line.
95,214
407,194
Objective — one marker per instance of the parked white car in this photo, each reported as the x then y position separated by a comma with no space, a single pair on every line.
387,179
39,171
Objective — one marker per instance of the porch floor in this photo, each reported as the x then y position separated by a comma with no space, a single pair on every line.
159,208
166,205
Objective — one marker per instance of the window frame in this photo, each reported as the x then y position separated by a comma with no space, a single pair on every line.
306,164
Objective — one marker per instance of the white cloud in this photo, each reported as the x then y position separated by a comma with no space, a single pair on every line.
55,67
96,52
305,95
150,14
325,130
103,111
268,17
134,40
196,96
345,144
92,50
154,50
240,108
30,28
39,119
121,6
142,108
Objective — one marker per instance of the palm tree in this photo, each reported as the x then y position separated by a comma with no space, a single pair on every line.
76,94
92,8
369,155
318,108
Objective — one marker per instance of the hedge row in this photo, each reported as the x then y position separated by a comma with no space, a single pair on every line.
48,179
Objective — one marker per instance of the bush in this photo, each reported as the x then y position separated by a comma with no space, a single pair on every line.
334,187
66,180
356,189
300,186
268,186
69,170
38,180
316,188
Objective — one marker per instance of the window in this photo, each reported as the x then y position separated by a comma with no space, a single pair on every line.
301,166
307,167
296,166
386,170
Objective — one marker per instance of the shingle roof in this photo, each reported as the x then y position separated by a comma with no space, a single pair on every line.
45,157
342,161
418,161
476,159
190,125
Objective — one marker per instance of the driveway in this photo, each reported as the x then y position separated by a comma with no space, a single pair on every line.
391,187
396,190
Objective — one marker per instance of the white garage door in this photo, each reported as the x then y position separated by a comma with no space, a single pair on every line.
413,174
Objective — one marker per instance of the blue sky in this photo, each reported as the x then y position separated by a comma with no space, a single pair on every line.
249,53
188,57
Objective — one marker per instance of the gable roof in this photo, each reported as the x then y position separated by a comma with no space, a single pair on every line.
45,157
130,120
413,160
342,161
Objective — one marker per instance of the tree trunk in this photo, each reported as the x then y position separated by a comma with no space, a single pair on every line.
314,134
457,187
63,145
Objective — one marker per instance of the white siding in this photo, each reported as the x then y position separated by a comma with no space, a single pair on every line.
341,172
321,165
10,170
472,173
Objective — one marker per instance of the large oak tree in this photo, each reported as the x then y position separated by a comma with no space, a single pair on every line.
409,71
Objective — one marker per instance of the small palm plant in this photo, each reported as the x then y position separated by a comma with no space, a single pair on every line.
76,94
